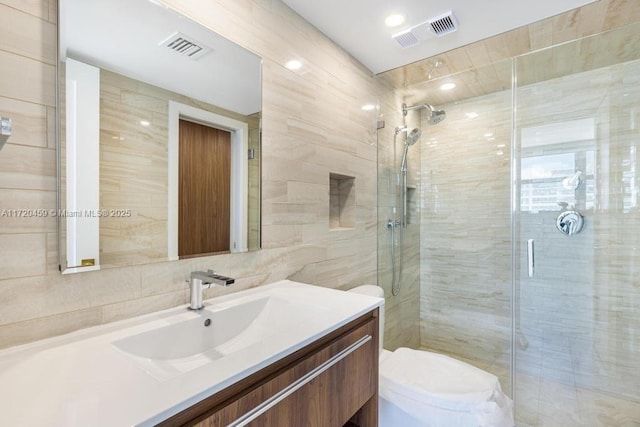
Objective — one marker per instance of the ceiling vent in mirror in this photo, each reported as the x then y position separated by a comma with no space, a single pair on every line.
444,24
185,46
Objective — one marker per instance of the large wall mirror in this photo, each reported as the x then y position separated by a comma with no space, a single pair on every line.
159,137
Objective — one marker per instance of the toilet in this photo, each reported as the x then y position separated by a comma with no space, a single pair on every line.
424,389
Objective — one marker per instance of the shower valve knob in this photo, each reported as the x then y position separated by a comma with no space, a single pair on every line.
570,222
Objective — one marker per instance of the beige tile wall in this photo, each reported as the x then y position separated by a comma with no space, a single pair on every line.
312,125
403,310
254,195
465,247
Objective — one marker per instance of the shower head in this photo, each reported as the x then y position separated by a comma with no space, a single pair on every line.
435,116
412,137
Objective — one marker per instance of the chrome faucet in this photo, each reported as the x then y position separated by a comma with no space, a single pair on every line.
200,279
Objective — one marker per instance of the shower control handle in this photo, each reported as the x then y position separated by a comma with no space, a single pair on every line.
393,224
530,257
570,222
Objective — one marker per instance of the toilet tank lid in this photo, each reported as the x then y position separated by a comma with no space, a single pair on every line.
371,290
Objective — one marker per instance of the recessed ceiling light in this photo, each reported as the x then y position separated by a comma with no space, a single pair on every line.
393,21
294,64
488,135
471,115
144,123
447,86
368,107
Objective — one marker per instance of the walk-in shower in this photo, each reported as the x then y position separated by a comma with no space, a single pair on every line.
411,137
527,141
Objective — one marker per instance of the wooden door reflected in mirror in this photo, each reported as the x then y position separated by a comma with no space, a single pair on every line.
204,189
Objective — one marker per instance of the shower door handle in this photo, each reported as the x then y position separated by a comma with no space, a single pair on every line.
531,264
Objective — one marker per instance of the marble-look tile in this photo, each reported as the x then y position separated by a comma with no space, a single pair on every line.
27,211
131,308
23,255
464,243
48,326
600,409
25,167
27,79
52,254
26,36
30,124
37,8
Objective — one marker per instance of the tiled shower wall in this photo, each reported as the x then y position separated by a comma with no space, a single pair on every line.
402,328
312,125
578,318
465,238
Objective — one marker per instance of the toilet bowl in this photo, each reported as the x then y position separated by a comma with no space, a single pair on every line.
424,389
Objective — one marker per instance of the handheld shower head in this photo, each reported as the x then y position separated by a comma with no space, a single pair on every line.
413,136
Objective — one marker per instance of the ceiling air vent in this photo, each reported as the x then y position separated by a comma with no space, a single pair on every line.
444,24
185,46
406,38
440,26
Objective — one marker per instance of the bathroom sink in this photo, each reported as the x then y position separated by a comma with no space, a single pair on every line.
167,361
189,340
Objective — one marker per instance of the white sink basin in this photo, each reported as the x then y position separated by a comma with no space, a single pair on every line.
154,366
192,339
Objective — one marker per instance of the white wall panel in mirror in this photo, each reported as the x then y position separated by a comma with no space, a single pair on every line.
149,57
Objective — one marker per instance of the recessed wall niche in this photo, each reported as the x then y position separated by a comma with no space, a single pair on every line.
342,202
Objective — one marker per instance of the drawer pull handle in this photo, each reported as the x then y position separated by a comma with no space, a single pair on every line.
294,386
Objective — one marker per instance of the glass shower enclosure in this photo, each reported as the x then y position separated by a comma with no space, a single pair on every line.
528,215
577,232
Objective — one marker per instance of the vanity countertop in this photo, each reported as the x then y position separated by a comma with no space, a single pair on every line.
84,379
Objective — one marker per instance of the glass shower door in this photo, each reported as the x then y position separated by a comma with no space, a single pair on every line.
577,233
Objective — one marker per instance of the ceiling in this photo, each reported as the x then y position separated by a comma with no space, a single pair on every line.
124,36
358,25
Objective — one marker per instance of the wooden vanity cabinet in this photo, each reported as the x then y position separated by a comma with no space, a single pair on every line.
331,382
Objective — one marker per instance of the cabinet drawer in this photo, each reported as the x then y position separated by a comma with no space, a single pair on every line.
328,399
324,388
